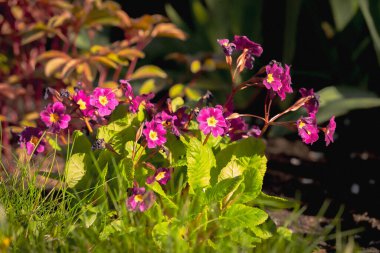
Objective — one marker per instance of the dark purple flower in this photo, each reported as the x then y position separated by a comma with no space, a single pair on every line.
162,176
227,47
168,121
142,101
54,116
182,118
83,102
250,49
140,200
255,131
308,129
211,120
104,100
312,105
154,133
330,130
243,43
30,139
237,127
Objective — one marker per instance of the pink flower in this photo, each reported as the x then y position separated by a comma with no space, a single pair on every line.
308,129
162,176
211,120
104,100
330,130
312,105
83,102
140,200
154,133
30,139
278,79
54,116
227,47
136,101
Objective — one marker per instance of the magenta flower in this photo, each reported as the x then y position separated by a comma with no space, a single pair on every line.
243,43
308,129
211,120
154,133
30,139
168,121
83,102
162,176
330,130
278,79
312,105
227,47
54,116
250,49
104,100
142,101
139,199
286,82
273,79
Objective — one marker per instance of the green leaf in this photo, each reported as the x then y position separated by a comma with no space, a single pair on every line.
340,100
53,143
369,19
246,152
148,86
149,71
343,11
223,188
177,103
200,160
273,201
156,187
243,216
166,234
261,232
232,169
176,90
115,226
128,172
74,170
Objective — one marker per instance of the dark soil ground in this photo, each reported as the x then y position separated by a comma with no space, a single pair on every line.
346,173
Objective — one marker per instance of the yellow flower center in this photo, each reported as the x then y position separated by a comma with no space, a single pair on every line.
138,198
34,140
153,135
211,121
270,78
301,125
54,117
82,104
103,100
160,175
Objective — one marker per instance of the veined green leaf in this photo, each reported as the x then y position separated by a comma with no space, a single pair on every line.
242,216
156,187
200,160
223,188
74,169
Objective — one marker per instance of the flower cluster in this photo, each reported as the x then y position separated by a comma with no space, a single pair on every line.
160,121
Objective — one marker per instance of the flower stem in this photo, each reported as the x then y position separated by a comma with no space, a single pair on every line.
88,125
206,139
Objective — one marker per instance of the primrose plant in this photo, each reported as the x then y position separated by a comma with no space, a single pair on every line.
195,172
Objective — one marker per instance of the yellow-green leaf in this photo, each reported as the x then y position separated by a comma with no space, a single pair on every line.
149,71
176,90
74,169
148,86
53,65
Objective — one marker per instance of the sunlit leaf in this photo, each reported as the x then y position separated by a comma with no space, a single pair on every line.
149,71
53,65
239,215
75,169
